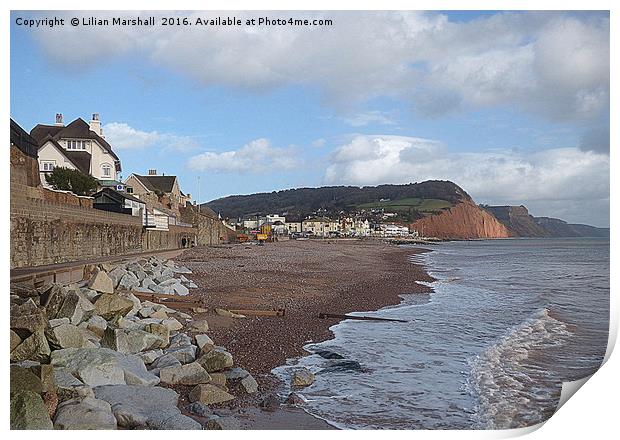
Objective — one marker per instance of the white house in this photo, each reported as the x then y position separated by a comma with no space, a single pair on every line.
392,230
79,145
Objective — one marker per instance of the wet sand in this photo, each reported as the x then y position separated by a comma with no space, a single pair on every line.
305,278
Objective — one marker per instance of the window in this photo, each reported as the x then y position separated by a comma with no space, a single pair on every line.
48,165
106,170
129,190
76,145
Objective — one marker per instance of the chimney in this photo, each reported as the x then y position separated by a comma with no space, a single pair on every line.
59,120
95,124
152,172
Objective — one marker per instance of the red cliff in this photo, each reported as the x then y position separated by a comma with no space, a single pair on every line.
465,220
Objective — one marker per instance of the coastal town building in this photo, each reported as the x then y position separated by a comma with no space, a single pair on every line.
271,219
355,227
294,226
114,201
392,230
79,145
157,189
250,223
321,227
278,227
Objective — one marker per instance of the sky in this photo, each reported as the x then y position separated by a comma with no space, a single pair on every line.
511,106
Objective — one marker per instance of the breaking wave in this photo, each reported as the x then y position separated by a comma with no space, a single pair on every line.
513,390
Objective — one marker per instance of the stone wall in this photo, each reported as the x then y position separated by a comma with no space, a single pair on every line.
209,229
24,169
44,232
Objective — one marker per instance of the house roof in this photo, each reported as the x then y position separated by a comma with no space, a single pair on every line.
41,131
80,159
155,183
115,195
321,219
77,129
23,141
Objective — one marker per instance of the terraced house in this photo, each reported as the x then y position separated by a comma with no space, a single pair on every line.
155,190
79,145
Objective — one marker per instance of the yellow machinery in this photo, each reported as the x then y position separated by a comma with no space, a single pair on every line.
264,234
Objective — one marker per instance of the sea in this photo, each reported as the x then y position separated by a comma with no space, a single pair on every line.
507,322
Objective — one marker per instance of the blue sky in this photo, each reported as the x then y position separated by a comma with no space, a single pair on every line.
514,107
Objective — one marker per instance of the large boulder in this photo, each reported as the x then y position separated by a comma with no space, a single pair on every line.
130,341
163,278
180,289
59,321
52,297
102,366
76,307
28,318
199,409
199,325
68,387
215,422
134,299
91,294
169,282
23,379
185,354
302,378
162,362
146,282
173,324
128,281
249,384
34,348
116,275
101,282
65,336
159,330
209,394
109,305
45,373
189,374
138,407
219,379
28,411
148,357
87,413
97,325
236,374
216,360
15,340
180,340
205,343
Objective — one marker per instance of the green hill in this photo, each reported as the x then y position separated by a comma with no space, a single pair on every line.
410,201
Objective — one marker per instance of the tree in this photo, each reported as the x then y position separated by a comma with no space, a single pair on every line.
75,181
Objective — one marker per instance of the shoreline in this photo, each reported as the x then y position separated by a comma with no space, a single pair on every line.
305,278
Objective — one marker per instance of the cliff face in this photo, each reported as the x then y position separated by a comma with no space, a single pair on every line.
518,221
465,220
559,228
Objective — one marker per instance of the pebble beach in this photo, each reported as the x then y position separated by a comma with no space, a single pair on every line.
305,278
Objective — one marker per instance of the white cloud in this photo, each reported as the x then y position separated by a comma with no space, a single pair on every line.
124,137
370,117
560,181
319,143
257,156
552,64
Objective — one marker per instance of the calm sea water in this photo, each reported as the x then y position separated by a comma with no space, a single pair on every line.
507,323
